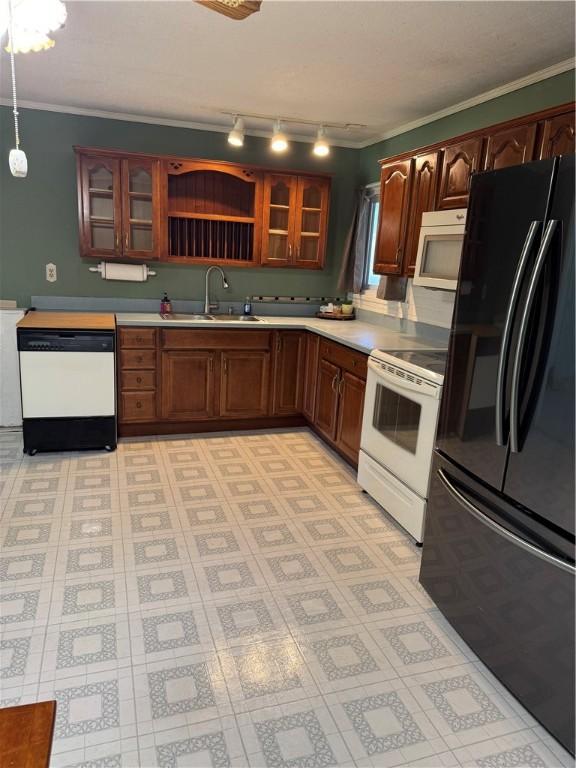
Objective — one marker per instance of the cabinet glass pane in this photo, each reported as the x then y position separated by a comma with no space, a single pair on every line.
140,180
311,221
141,208
102,237
441,256
312,197
100,178
280,194
279,219
277,247
308,249
140,237
101,207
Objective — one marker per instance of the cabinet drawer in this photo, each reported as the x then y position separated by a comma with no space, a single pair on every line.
137,380
138,406
190,338
136,338
343,357
137,358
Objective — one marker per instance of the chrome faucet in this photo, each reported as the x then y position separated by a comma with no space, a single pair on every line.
207,305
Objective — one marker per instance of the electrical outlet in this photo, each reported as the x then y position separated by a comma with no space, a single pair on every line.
51,273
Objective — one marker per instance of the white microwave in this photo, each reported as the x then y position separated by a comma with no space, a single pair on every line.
440,249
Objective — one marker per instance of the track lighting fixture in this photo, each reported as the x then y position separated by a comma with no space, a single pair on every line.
321,146
236,135
279,142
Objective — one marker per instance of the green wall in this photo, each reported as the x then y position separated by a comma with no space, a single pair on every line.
38,214
546,93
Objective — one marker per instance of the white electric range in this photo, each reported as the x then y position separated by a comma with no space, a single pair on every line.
401,406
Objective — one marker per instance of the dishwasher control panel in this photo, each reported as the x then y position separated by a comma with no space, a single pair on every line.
65,341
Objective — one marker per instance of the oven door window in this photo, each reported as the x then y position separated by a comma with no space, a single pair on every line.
397,418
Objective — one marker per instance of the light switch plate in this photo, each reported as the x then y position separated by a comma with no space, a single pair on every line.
51,273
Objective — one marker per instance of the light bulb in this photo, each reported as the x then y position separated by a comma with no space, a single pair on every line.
279,142
236,135
33,21
321,146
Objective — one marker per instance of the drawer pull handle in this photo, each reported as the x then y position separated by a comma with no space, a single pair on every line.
139,359
138,404
139,379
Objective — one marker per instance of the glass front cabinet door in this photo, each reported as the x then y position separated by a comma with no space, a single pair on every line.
140,201
100,214
294,221
120,206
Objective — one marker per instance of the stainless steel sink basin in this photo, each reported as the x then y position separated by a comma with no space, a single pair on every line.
185,316
211,318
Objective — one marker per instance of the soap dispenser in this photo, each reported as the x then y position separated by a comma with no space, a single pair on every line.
165,305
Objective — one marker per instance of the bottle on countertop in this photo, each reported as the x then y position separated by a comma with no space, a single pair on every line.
165,305
247,306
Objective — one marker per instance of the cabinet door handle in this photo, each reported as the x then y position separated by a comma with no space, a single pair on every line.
117,241
225,366
290,251
126,242
138,404
335,384
211,365
278,343
139,359
139,379
341,387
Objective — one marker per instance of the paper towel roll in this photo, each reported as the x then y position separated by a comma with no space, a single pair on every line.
136,273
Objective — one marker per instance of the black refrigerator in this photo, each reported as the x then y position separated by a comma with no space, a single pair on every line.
498,553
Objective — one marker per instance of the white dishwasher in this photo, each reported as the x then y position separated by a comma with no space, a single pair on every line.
67,380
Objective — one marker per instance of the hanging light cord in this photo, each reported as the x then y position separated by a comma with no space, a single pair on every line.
13,67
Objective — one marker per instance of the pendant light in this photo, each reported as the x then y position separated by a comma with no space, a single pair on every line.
17,158
33,21
236,135
279,141
321,146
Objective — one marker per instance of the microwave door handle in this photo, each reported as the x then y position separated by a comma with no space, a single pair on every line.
507,332
499,529
526,313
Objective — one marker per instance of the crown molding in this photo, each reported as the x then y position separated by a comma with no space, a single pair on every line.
481,98
151,120
494,93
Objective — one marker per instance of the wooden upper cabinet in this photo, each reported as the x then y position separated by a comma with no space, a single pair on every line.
311,221
278,219
141,219
459,162
244,383
99,206
422,199
395,184
294,221
557,136
511,146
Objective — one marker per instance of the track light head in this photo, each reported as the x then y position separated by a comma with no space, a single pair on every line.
321,146
236,135
279,141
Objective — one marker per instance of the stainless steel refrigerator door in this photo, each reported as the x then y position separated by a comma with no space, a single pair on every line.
505,223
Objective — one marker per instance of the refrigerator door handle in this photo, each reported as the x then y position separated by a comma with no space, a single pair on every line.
507,333
500,530
527,311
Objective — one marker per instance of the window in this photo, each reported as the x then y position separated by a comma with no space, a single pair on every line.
370,279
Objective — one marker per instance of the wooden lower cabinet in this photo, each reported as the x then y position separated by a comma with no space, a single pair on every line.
290,350
244,384
188,385
326,413
310,372
173,379
351,390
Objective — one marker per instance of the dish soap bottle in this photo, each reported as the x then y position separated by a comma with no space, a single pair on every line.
165,305
247,306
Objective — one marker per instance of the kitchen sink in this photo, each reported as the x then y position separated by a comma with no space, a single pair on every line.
211,318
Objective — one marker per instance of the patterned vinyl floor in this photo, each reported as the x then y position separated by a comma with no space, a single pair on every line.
234,600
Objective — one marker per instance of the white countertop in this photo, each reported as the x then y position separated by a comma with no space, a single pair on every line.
354,333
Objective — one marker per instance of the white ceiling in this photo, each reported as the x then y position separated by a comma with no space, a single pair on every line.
383,64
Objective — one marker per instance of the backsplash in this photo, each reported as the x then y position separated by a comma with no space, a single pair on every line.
422,305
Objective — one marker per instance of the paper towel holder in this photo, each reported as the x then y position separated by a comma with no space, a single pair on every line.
102,267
